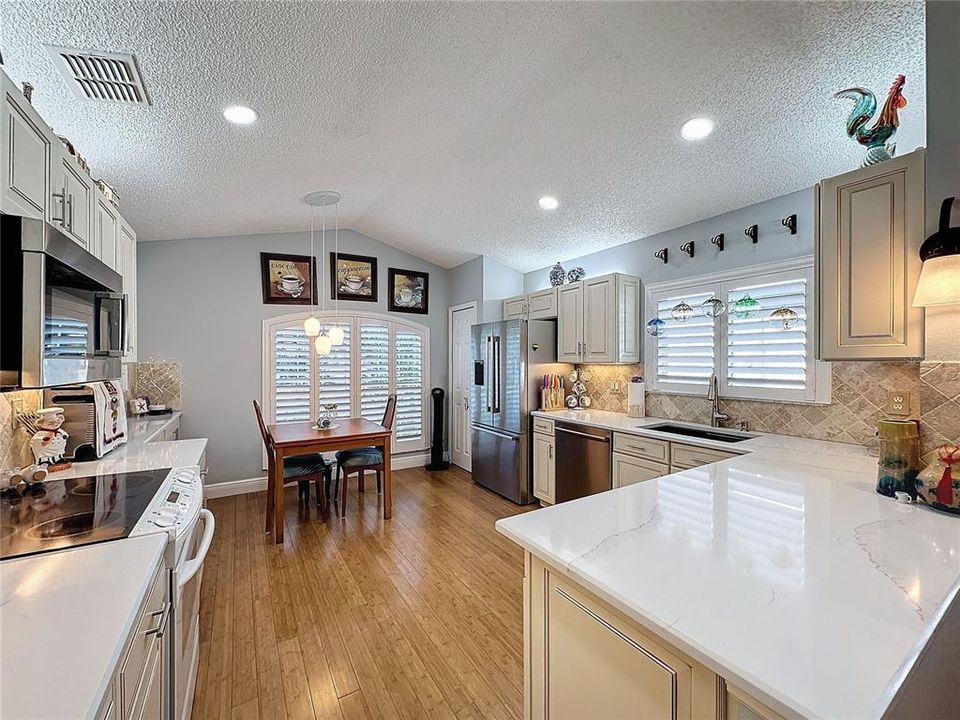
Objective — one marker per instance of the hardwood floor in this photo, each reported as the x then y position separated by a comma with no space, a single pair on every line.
416,616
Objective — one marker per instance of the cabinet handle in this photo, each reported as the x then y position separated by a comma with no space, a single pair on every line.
70,214
61,196
161,627
550,448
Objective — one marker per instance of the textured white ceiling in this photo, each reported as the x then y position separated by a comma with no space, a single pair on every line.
442,123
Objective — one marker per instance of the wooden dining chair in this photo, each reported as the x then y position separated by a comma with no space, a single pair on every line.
299,468
359,460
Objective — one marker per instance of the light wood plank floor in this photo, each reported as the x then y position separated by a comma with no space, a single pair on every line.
417,616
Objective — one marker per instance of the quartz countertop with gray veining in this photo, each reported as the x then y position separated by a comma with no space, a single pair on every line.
781,569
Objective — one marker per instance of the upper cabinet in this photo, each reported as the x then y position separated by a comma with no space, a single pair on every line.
871,229
71,198
598,320
127,260
25,157
107,227
540,305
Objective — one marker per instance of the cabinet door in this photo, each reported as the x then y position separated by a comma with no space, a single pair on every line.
629,340
72,199
544,468
26,155
542,305
600,320
151,700
128,269
106,235
871,228
515,307
570,323
598,666
629,470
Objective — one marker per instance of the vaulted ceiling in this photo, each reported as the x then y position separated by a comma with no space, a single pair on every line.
443,123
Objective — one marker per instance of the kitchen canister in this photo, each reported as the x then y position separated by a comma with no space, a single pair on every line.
899,462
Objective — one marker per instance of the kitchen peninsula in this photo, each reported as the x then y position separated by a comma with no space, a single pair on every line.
774,584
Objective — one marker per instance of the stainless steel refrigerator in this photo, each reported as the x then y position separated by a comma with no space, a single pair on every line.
510,359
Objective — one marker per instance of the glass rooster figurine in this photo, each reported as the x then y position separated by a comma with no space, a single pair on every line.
877,138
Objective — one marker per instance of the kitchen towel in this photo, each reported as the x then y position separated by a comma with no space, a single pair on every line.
110,416
636,399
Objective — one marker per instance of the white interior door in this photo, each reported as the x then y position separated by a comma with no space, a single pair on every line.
461,382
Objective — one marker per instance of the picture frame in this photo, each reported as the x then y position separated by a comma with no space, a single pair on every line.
286,279
353,277
408,291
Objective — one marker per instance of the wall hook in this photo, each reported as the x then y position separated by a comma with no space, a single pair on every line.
790,223
661,255
687,247
751,232
718,241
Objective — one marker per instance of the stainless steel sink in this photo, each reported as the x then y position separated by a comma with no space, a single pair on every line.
718,434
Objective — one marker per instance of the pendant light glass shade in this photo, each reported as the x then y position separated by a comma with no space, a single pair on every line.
311,326
336,335
939,282
323,344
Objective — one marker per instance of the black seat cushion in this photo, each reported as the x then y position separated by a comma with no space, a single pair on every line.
359,456
303,465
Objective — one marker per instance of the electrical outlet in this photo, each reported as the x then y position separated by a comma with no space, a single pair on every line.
615,385
16,410
898,402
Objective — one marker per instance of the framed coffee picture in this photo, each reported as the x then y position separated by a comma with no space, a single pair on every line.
353,277
408,291
286,279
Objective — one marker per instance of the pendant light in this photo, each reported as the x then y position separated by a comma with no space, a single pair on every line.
939,282
336,332
321,199
311,326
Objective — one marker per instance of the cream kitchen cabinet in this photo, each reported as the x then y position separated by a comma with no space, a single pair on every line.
598,320
107,228
540,305
127,252
72,195
544,462
585,659
26,143
870,231
628,470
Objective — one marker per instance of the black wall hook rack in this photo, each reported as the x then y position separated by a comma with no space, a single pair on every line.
687,247
661,255
752,232
790,223
718,241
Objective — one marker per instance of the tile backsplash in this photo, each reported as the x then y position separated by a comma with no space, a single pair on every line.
859,394
939,407
14,440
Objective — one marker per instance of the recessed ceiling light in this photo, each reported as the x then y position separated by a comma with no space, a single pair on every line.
548,202
240,114
697,128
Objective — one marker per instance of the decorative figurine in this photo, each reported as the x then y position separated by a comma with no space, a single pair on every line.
876,138
576,274
557,275
328,416
939,483
49,442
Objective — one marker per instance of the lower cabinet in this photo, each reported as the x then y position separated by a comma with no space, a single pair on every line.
684,457
628,470
544,467
587,661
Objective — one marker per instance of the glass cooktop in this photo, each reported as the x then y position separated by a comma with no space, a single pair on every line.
57,514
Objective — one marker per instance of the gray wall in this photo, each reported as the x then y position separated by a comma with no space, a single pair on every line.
636,258
466,282
943,155
499,282
199,303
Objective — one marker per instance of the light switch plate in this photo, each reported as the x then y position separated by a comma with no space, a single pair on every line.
16,410
898,402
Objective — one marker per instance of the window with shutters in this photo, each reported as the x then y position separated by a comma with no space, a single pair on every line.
379,355
754,355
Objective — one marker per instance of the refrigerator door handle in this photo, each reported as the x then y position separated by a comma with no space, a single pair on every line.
496,374
488,378
505,436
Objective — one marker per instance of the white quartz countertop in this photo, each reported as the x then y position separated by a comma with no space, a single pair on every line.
142,451
64,618
782,569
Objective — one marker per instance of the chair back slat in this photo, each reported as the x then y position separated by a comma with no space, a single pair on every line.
390,411
267,440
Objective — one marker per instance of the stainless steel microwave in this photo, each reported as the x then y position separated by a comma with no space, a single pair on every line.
62,311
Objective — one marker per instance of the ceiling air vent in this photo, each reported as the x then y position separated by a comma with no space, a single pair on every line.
103,76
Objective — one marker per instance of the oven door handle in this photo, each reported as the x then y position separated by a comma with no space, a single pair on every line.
190,567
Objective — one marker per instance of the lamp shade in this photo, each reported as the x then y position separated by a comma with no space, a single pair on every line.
939,282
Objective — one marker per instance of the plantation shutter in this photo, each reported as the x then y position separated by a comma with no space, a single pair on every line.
333,374
65,338
374,370
408,383
761,353
685,350
291,375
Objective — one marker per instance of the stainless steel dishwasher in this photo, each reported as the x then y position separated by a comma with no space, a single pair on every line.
583,460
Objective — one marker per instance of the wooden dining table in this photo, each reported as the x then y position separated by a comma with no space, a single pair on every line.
304,438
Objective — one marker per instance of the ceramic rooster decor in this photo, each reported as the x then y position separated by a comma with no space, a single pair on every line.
875,139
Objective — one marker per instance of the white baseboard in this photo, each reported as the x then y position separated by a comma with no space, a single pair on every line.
257,484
